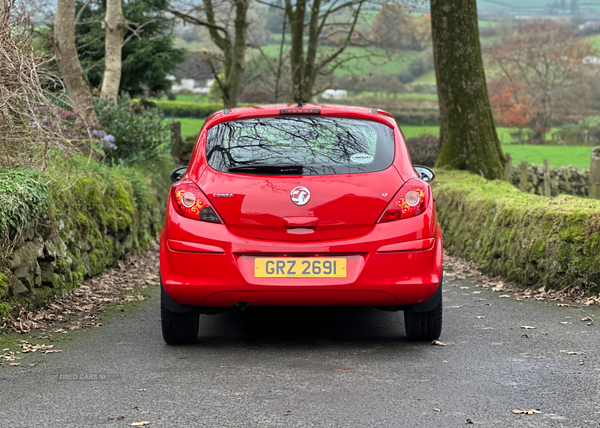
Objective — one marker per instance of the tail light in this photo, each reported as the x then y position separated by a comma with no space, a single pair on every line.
410,201
189,201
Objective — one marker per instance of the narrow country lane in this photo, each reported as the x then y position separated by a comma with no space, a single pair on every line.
322,367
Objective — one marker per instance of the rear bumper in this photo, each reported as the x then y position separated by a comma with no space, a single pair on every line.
217,269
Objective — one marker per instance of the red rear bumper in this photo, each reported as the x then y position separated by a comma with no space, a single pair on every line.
216,269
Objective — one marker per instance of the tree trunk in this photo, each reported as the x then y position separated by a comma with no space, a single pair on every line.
296,20
234,53
468,138
234,75
67,59
115,27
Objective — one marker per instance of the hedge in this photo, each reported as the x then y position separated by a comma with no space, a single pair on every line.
532,240
185,109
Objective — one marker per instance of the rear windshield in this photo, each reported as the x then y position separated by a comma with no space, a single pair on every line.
300,145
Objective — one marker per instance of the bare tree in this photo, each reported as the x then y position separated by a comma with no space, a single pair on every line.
232,46
542,77
307,66
115,27
65,52
29,123
468,138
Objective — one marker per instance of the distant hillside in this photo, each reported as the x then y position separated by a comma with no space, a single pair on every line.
537,7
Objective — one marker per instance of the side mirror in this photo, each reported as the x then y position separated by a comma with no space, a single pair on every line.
178,173
425,173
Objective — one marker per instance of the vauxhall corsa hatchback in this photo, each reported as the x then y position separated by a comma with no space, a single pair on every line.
306,205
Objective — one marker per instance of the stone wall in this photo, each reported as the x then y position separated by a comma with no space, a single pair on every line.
566,180
91,223
531,240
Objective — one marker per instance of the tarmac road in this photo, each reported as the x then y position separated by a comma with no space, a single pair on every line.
321,367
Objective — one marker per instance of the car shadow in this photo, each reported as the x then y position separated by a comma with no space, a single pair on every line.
302,326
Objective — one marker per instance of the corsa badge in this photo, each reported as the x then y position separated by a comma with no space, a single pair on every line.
300,195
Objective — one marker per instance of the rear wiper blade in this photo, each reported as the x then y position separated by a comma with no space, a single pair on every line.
268,168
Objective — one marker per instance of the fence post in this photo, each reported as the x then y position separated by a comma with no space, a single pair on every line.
547,187
524,179
595,173
508,168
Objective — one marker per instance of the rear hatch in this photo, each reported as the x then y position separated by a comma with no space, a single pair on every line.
307,178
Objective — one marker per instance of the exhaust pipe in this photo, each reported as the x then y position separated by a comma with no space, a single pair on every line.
242,306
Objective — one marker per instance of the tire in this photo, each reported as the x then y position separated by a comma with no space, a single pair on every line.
177,328
421,326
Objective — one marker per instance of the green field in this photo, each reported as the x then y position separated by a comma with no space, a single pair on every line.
425,79
190,127
368,60
594,41
577,156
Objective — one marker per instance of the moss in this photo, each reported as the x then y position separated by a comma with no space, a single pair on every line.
532,240
6,310
106,213
537,250
3,285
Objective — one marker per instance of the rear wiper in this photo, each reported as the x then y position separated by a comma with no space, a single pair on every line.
268,168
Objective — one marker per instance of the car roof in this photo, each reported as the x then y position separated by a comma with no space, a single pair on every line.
275,110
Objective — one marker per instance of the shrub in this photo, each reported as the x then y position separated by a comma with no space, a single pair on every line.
140,133
185,109
423,149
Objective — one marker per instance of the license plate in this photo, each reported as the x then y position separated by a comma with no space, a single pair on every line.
299,267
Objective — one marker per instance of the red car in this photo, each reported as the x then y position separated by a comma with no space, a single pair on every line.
300,206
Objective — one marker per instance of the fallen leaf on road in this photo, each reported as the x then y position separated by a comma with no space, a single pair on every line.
504,295
572,352
436,409
438,343
464,288
526,411
476,292
480,317
527,327
469,421
581,362
139,424
238,393
456,306
566,322
13,364
586,319
31,347
563,305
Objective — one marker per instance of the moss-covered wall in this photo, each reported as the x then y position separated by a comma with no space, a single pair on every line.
93,218
531,240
